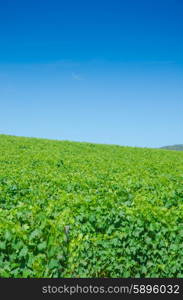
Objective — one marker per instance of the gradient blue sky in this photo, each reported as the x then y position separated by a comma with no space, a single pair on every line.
100,71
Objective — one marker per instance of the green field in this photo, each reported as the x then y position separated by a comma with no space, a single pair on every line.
70,209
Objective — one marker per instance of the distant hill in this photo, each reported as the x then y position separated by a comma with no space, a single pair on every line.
173,147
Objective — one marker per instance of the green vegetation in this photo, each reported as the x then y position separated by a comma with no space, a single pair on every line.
72,209
174,147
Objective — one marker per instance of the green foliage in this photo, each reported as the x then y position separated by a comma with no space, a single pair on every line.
72,209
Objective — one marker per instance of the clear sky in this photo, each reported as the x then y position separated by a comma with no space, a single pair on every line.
100,71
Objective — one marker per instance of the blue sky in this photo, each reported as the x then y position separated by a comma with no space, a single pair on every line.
98,71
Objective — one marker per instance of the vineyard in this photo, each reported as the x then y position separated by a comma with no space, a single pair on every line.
70,209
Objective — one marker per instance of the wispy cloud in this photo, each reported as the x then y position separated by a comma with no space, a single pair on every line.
76,76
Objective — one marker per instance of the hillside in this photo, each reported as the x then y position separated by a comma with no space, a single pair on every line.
71,209
174,147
